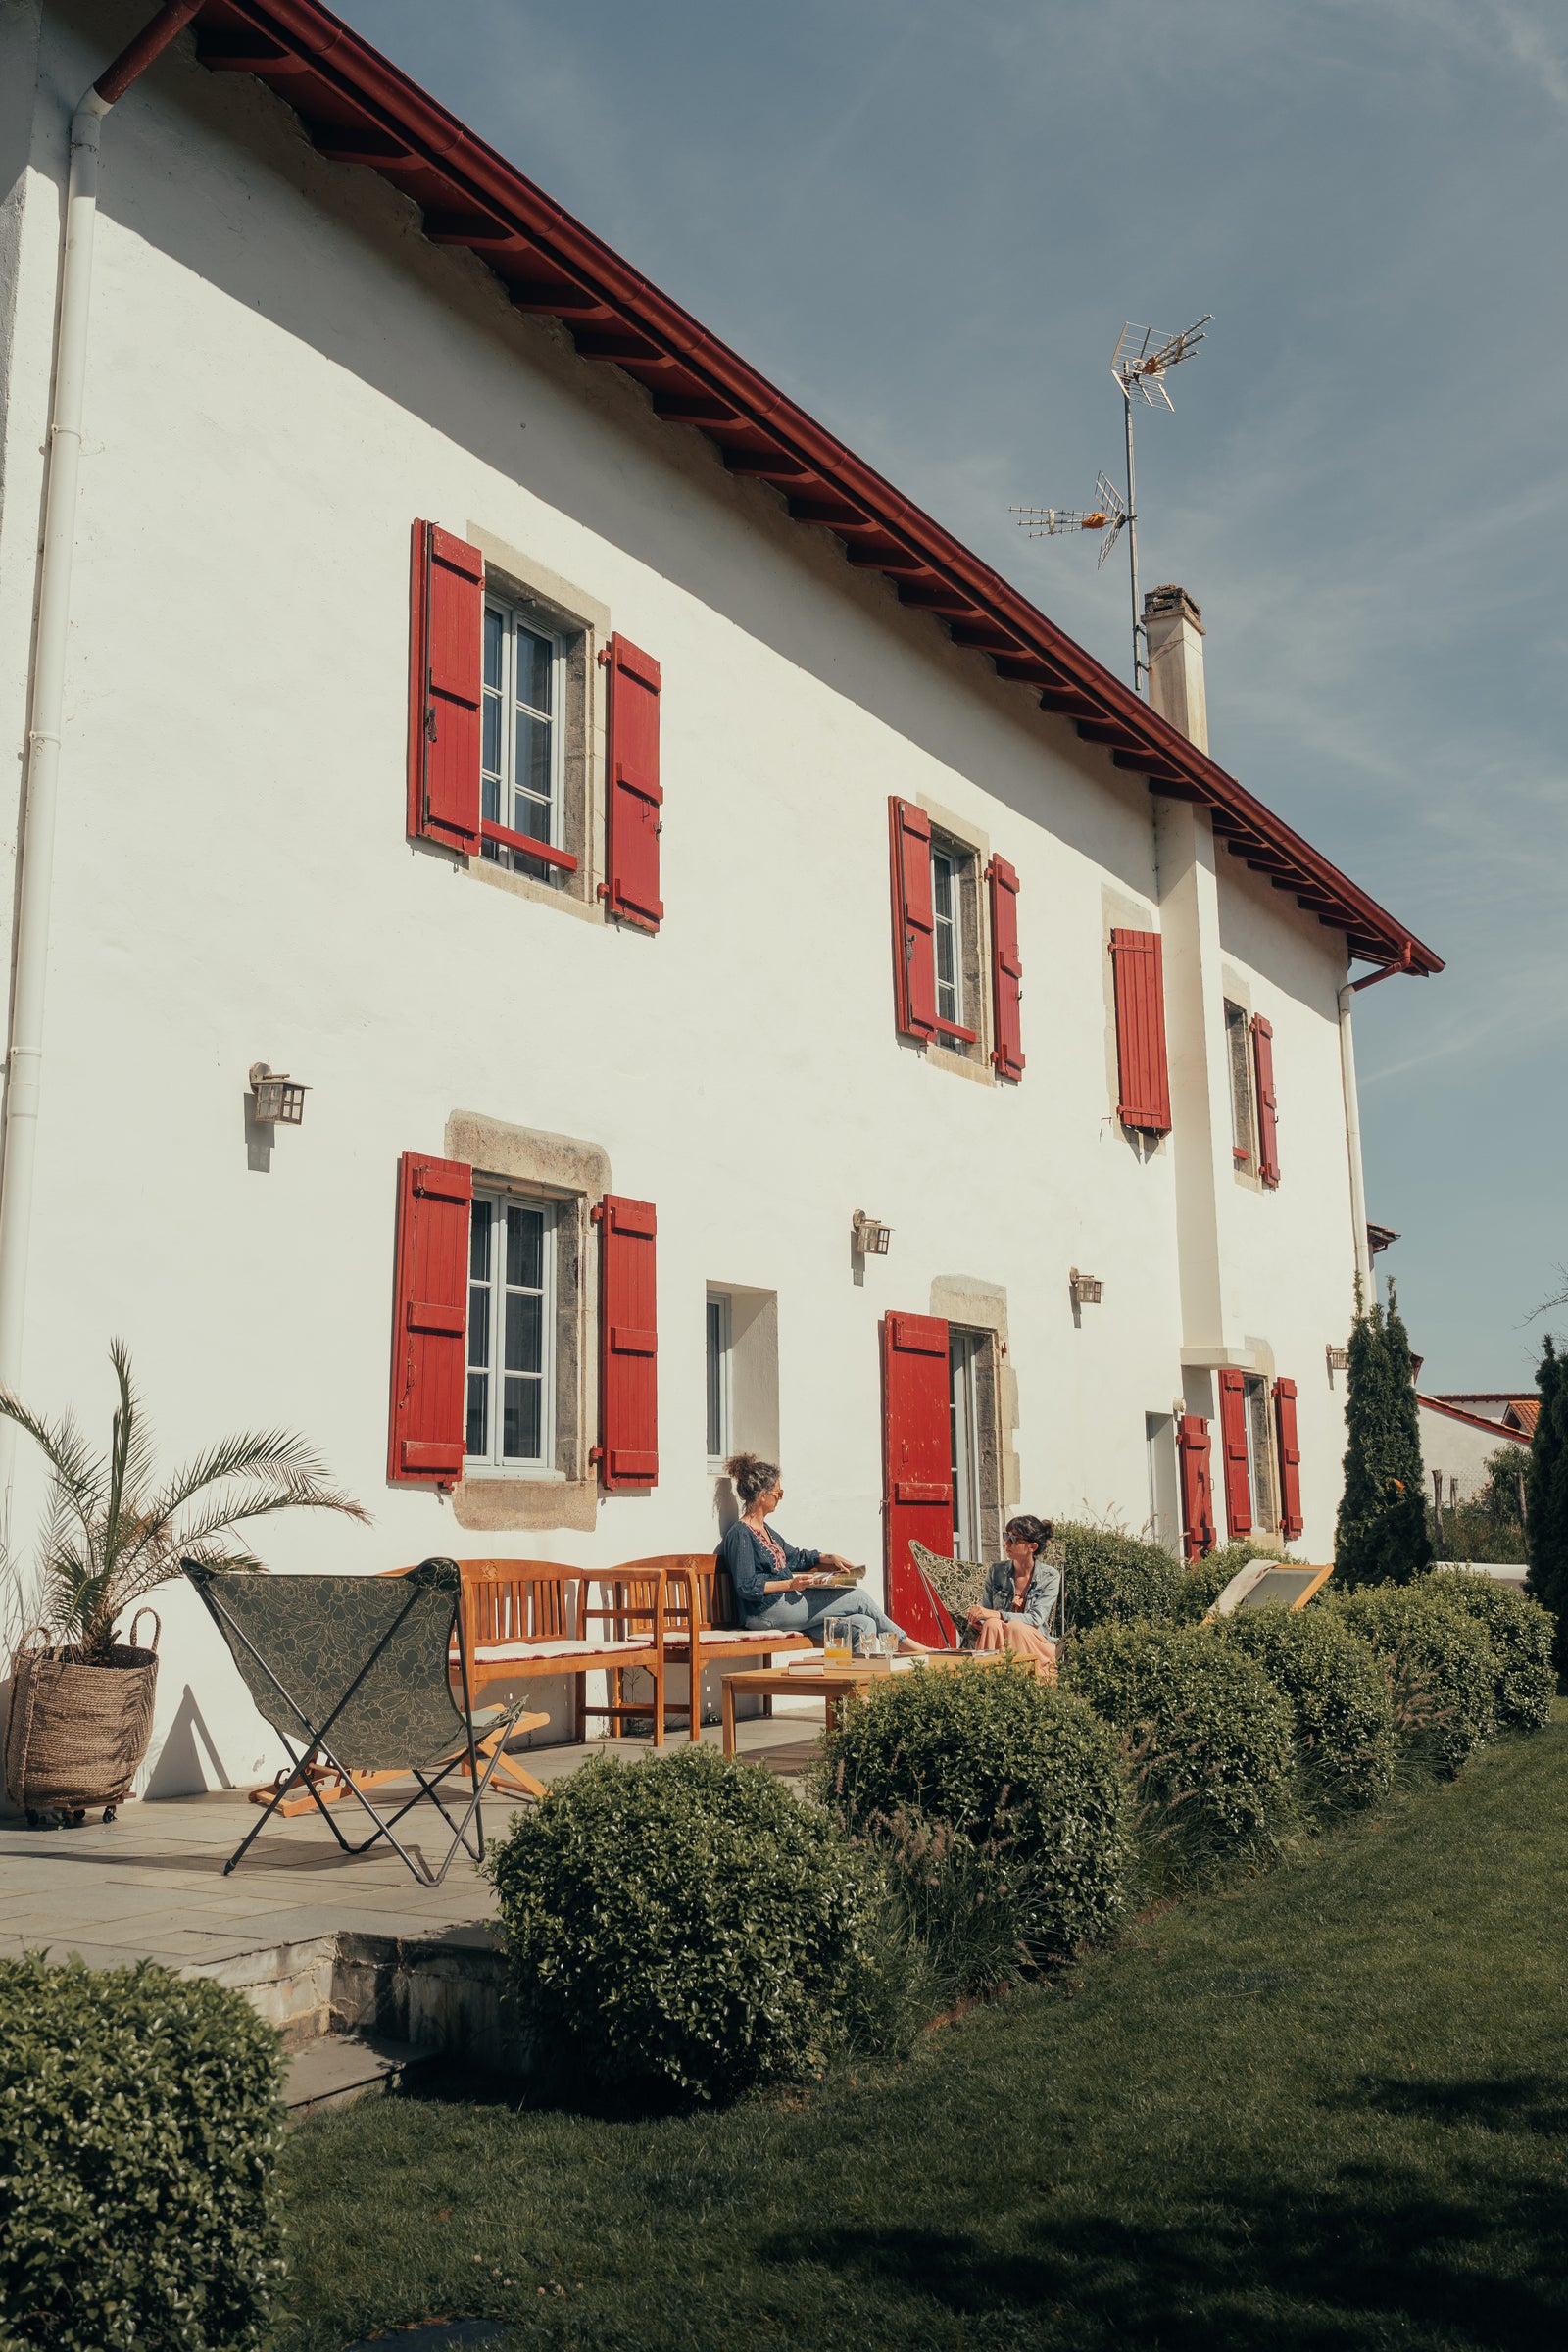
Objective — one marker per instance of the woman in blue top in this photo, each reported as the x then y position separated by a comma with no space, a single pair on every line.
779,1587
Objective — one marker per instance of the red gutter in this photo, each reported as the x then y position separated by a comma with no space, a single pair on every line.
327,61
150,43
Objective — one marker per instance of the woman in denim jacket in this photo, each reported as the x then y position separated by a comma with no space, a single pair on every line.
1021,1594
781,1588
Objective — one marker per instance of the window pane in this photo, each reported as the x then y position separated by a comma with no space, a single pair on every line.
490,755
520,1433
715,1378
942,886
532,773
525,1230
495,646
536,661
478,1412
525,1331
479,1242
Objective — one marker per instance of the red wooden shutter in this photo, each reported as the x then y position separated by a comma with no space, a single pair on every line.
1291,1521
636,798
1141,1031
1198,1499
430,1298
1268,1154
1233,1438
1007,1052
916,1463
628,1344
914,949
446,673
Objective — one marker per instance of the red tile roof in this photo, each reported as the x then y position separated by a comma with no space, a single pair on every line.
359,109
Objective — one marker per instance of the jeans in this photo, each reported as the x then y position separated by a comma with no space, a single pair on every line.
804,1612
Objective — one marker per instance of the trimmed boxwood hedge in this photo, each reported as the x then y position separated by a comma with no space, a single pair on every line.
1346,1743
1443,1669
139,2124
1521,1632
1209,1736
684,1924
1008,1762
1114,1579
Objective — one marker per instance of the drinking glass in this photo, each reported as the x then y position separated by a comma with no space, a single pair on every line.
836,1649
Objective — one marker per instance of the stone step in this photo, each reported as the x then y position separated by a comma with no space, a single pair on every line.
336,2069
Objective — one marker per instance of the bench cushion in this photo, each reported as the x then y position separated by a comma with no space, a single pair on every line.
562,1652
716,1635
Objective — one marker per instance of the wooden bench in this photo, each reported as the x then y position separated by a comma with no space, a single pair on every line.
696,1584
523,1620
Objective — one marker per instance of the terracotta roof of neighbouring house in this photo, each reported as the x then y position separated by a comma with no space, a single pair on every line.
1456,1413
359,109
1525,1410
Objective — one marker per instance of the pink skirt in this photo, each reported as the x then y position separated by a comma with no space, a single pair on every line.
1017,1634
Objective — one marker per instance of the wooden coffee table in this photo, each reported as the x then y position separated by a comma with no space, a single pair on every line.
834,1682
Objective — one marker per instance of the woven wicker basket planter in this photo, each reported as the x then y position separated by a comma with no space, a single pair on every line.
76,1733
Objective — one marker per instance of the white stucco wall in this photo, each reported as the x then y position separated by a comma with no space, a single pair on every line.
284,375
1457,1444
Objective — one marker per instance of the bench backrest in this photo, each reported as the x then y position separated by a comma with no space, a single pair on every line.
688,1572
539,1601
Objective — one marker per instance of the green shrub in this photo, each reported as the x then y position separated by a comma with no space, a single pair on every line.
139,2121
1441,1667
1011,1763
684,1923
1113,1578
1209,1739
1345,1744
1521,1632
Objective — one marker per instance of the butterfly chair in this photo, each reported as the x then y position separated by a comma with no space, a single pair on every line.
353,1672
957,1587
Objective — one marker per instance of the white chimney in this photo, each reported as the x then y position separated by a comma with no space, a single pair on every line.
1175,631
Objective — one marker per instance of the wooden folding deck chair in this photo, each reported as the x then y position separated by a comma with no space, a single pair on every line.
356,1672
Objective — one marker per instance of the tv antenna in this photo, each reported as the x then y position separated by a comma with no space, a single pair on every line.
1142,361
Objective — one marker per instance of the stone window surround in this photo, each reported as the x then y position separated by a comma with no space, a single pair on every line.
982,1306
574,1175
1234,990
973,1062
584,624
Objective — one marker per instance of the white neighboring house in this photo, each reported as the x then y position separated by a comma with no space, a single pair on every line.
1460,1433
560,860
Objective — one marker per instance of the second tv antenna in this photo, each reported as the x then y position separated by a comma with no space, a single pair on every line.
1142,361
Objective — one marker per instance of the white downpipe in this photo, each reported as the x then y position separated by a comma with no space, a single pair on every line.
24,1064
1352,1146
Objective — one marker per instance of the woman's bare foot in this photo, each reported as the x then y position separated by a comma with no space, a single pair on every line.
907,1649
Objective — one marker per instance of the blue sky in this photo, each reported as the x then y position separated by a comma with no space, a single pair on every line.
928,223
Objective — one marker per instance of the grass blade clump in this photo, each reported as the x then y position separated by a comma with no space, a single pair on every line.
1208,1740
1346,1743
683,1926
1009,1763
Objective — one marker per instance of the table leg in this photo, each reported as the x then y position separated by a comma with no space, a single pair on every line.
726,1708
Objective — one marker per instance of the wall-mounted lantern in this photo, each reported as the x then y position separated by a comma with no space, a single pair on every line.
1338,1359
279,1099
1088,1290
867,1238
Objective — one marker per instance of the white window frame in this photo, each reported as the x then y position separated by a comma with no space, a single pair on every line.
1244,1089
963,1422
1261,1476
500,782
717,1382
958,862
493,1462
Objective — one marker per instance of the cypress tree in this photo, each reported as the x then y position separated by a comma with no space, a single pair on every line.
1547,1495
1381,1534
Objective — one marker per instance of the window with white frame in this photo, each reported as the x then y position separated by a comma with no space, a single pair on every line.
955,912
1261,1457
511,1287
1243,1112
718,1379
965,1351
523,756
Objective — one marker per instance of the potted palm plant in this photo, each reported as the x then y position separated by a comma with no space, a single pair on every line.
82,1701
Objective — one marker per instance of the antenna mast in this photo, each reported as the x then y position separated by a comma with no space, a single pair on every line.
1139,363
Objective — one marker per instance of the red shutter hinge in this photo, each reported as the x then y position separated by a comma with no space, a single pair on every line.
595,1213
604,656
595,1453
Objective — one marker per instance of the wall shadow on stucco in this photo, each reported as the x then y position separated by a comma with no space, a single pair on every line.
513,393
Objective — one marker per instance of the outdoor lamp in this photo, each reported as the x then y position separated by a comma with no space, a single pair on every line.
868,1237
1088,1290
279,1099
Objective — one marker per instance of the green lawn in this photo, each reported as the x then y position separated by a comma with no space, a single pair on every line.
1328,2110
